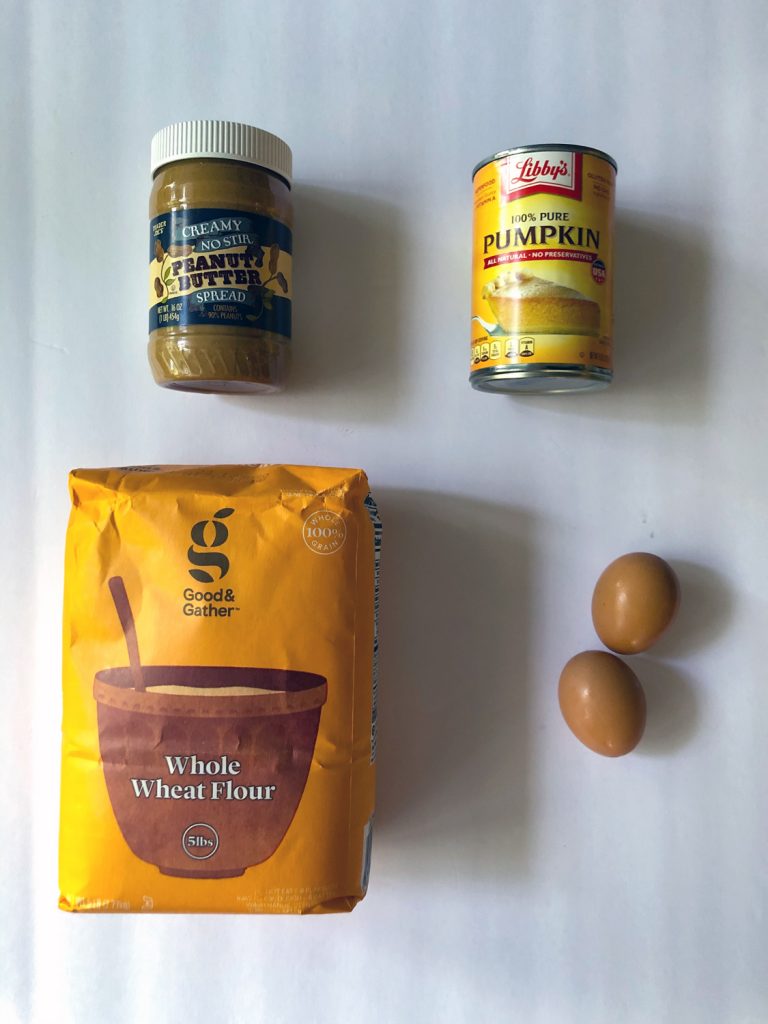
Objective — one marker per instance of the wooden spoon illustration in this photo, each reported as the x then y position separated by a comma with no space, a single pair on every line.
125,614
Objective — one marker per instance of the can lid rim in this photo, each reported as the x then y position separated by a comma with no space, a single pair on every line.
556,146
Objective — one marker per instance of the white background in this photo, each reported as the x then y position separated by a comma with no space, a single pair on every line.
516,876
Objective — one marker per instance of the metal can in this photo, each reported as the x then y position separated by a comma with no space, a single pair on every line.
542,270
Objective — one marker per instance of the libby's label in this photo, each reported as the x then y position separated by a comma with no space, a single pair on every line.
216,267
555,172
542,273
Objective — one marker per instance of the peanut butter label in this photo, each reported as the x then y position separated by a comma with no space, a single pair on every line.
219,267
542,275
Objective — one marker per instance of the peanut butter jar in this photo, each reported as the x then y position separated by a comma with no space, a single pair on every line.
220,253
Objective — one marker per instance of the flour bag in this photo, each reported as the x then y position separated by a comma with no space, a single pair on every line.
219,677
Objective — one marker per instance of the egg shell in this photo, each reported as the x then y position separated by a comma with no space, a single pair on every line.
602,702
634,602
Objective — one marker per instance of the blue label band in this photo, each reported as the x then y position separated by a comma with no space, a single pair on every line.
219,267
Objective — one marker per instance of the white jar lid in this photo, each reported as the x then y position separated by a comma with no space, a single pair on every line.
221,140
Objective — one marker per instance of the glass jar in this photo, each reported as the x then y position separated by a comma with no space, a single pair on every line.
220,258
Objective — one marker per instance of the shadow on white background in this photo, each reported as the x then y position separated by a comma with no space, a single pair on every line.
455,735
676,703
665,341
351,270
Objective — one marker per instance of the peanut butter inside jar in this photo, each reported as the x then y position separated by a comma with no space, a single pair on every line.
220,258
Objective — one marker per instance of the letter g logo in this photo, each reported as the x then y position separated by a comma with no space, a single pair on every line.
209,533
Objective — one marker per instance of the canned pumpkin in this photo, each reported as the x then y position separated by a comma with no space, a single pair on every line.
542,273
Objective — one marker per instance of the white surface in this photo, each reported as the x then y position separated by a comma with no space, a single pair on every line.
516,876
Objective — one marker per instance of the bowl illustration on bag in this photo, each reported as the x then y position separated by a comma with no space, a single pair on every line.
205,766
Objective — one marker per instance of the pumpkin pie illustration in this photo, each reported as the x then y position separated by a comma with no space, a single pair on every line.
525,304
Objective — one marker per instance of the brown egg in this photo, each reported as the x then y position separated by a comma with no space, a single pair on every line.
602,703
635,600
